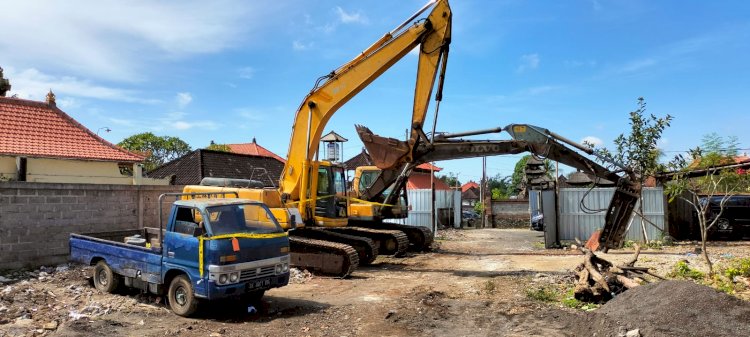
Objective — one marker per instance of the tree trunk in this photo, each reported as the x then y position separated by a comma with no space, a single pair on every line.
705,255
704,237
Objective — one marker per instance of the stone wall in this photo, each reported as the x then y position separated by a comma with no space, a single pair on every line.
36,219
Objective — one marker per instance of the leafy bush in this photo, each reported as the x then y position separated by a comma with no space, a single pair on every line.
544,293
682,270
489,286
738,267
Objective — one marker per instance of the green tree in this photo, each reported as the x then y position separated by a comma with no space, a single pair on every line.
638,150
450,179
519,172
715,143
158,150
706,178
500,187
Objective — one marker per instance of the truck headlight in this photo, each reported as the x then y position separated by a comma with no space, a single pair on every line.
285,268
233,277
223,278
278,269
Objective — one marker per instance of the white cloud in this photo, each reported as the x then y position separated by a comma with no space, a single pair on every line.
250,114
247,72
168,122
592,140
637,65
115,40
67,103
183,99
528,62
579,63
33,84
350,17
299,45
542,89
597,6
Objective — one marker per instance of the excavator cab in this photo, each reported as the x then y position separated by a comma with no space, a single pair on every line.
364,178
330,195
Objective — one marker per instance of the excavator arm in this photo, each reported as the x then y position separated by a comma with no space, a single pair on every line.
526,138
431,35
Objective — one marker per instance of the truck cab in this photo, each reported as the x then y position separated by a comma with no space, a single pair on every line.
210,248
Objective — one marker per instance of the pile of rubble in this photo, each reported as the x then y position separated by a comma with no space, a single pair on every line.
38,301
299,276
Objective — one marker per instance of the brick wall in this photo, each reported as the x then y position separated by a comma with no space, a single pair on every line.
37,218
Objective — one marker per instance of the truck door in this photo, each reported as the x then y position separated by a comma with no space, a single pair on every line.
180,239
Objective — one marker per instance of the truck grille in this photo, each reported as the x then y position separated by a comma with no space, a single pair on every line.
254,273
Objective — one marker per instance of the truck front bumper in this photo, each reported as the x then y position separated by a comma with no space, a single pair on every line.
216,291
252,276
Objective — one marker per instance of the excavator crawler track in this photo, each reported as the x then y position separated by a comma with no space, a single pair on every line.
390,242
324,257
367,250
420,237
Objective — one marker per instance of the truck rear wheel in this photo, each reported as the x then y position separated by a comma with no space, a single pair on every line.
104,278
181,298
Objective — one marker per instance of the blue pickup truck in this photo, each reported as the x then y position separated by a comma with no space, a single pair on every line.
211,248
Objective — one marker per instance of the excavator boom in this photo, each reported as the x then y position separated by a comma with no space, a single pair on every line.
431,36
526,138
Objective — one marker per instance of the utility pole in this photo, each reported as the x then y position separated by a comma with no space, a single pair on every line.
483,189
432,189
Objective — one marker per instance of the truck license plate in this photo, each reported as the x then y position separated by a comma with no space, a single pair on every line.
259,283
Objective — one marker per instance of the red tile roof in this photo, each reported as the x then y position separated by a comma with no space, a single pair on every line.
254,149
469,185
427,166
419,181
37,129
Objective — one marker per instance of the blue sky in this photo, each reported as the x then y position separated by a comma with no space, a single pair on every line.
229,70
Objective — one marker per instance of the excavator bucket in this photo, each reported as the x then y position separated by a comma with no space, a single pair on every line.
385,153
618,216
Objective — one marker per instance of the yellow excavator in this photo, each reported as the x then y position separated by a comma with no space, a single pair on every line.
383,185
311,198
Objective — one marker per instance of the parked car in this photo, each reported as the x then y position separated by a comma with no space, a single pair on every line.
537,220
734,219
470,218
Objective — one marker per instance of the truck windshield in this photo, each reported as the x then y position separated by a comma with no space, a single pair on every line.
242,218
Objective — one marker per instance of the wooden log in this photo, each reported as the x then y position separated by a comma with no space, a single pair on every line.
626,282
594,272
633,259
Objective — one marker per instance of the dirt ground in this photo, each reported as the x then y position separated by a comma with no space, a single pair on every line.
472,284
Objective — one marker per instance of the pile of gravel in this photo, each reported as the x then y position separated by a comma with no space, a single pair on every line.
675,308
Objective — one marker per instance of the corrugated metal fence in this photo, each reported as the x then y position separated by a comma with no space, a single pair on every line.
421,208
575,223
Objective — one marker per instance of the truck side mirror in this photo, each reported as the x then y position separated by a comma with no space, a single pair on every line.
198,231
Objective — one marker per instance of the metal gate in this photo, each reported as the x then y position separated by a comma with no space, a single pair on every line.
574,222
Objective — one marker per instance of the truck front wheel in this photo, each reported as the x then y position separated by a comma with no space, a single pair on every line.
104,278
181,298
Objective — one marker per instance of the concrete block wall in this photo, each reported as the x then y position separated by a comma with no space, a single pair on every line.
36,219
511,209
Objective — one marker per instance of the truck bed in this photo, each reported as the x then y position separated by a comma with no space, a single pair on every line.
125,259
